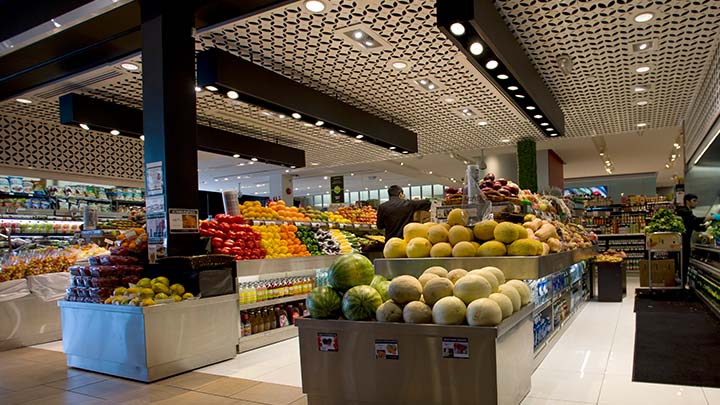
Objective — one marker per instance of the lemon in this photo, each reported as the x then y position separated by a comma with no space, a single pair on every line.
187,295
144,283
177,289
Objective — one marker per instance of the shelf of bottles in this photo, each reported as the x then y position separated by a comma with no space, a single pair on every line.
632,244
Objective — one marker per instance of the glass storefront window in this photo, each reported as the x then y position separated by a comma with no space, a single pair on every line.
438,191
427,191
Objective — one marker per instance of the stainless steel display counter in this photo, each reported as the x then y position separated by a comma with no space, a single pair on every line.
276,267
150,343
514,267
497,369
28,321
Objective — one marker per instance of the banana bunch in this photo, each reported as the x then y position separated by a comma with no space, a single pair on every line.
345,246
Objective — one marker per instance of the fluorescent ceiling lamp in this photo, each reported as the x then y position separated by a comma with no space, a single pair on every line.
644,17
457,29
314,6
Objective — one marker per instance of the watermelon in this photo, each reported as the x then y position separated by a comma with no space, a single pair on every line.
376,279
350,270
360,303
324,302
382,289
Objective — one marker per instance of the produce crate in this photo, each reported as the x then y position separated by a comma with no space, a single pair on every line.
149,343
346,362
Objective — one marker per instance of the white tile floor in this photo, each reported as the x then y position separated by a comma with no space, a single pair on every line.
590,364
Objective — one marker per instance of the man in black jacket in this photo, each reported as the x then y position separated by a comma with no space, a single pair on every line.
692,223
394,214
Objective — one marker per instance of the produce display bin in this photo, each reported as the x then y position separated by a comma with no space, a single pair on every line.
28,321
514,267
341,364
610,282
149,343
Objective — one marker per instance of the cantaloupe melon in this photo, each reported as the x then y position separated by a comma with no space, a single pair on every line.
439,270
404,289
458,233
472,287
499,274
512,293
456,274
437,234
523,290
395,248
463,249
418,247
504,302
457,217
436,289
484,230
492,248
489,276
417,312
484,312
449,311
414,230
389,311
424,278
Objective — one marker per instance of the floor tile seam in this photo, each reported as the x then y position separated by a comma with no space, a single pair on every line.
707,400
234,393
87,395
612,344
563,400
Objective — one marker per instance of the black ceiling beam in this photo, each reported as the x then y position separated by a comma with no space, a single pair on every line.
29,14
102,40
100,115
257,85
482,24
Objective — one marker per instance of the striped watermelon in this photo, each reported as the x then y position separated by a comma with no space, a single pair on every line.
360,303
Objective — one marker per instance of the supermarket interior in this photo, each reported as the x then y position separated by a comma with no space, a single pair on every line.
442,202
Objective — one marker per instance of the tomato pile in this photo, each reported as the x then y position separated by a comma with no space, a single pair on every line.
231,236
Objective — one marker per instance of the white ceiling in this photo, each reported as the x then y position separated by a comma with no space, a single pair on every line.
597,97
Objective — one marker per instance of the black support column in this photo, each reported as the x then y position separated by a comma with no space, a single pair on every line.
169,122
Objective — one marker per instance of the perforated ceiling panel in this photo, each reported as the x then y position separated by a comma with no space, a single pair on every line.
705,110
598,96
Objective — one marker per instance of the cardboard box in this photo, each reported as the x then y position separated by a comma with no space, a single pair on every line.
663,273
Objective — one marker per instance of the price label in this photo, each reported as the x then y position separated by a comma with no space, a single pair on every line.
315,224
356,226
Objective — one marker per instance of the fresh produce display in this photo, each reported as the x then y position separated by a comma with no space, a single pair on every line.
231,236
341,244
118,224
255,210
34,263
280,241
286,213
364,215
30,227
308,237
134,241
320,216
147,292
479,297
665,220
499,189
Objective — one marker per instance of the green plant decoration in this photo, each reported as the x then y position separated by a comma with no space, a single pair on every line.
527,165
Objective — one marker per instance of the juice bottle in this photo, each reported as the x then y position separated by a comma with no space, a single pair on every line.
251,292
267,319
254,323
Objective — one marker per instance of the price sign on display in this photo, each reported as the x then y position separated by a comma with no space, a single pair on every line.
455,348
328,342
386,349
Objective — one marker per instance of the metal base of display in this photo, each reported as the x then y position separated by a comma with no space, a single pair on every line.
550,342
252,342
28,321
149,343
342,364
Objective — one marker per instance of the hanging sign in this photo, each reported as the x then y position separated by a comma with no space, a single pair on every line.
337,189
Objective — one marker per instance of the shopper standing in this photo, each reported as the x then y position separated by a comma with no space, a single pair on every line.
692,223
394,214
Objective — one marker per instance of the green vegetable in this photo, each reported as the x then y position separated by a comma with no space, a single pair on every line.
665,220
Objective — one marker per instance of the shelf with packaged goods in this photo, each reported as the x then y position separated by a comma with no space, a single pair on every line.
257,340
706,268
268,303
42,235
542,307
129,202
708,248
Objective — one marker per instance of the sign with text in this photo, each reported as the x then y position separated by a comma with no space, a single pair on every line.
455,348
183,220
387,349
337,189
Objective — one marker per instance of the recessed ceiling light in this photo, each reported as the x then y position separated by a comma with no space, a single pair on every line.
254,159
677,145
640,88
423,82
505,140
358,34
251,163
553,134
492,64
241,164
641,124
23,101
292,167
369,43
449,100
544,124
198,89
392,148
642,69
402,163
519,96
457,29
644,17
225,179
282,116
211,88
324,177
314,6
216,180
512,88
503,77
430,172
142,138
399,65
296,116
233,94
236,156
314,163
482,123
319,123
359,136
431,86
405,152
115,132
352,174
319,185
642,102
85,126
476,48
537,116
667,165
602,153
530,108
309,125
131,67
